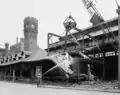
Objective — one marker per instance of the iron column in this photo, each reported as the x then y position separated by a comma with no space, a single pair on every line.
118,11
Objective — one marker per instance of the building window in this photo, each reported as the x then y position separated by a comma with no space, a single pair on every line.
110,53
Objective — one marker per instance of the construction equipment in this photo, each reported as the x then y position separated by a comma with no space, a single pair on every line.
97,19
69,24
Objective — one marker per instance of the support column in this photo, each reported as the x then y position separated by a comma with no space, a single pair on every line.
5,74
13,79
118,11
89,72
83,43
48,43
103,69
10,72
32,72
20,73
41,75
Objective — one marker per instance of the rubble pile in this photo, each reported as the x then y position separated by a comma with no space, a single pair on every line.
98,84
102,85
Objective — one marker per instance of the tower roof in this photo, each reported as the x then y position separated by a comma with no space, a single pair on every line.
30,19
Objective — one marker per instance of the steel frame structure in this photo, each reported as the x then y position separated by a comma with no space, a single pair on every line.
90,6
118,11
49,36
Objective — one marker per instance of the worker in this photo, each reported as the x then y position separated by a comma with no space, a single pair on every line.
39,83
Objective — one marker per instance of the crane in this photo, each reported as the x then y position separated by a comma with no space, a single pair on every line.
90,6
97,18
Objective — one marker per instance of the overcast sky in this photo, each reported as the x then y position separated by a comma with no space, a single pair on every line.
50,13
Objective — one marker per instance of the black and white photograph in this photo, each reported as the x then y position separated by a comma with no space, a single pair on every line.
60,47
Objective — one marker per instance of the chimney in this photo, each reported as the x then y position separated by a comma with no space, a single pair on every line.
21,39
16,40
6,46
22,44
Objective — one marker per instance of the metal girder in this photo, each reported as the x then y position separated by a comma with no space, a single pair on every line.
50,35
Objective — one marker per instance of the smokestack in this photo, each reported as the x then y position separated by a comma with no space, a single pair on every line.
22,44
16,40
21,39
6,46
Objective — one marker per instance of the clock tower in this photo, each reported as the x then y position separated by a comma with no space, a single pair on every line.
30,33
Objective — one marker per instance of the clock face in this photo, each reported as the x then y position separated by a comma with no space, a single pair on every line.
26,26
32,26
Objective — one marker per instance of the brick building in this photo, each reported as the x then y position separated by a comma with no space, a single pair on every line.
31,53
30,33
18,47
4,51
29,42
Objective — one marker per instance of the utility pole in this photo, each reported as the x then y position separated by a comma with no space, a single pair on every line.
118,11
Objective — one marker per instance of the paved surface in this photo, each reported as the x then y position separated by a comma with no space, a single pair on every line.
9,88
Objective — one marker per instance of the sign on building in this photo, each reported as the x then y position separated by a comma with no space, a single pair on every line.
38,71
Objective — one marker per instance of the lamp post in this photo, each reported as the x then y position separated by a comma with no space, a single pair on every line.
118,11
